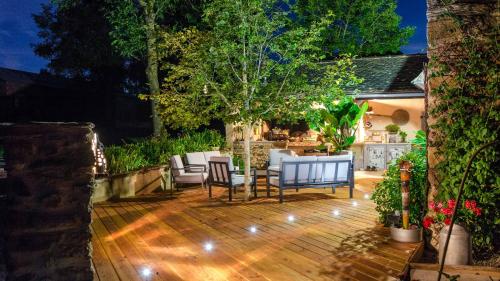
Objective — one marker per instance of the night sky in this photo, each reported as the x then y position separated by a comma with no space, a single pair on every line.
18,31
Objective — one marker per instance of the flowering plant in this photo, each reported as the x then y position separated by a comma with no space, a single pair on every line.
440,212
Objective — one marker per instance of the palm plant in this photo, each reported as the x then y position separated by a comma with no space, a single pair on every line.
337,122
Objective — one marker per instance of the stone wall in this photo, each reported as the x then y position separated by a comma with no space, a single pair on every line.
47,211
479,18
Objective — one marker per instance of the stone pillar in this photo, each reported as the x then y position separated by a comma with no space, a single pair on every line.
479,19
47,210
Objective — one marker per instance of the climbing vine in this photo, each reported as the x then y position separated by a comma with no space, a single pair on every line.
466,111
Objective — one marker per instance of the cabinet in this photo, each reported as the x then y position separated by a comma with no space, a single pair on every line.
380,155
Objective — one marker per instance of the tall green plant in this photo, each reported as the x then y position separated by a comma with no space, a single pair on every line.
337,122
157,151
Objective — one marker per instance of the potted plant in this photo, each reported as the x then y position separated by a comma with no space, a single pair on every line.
388,195
393,130
403,135
439,217
337,122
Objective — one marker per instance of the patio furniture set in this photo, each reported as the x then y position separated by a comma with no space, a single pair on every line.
285,170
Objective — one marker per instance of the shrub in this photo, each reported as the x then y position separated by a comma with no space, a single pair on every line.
387,194
392,128
144,153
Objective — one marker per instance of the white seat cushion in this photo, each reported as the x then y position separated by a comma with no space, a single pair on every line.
239,179
275,155
176,163
196,158
329,174
191,178
274,181
209,154
275,168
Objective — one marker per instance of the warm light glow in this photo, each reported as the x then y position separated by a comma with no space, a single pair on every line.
367,196
336,212
354,203
253,229
146,272
291,218
208,246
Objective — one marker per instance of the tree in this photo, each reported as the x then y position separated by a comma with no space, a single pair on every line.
360,27
76,42
254,63
135,24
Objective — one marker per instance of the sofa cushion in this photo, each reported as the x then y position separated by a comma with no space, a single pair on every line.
275,155
329,173
209,154
239,179
305,173
176,163
191,178
196,158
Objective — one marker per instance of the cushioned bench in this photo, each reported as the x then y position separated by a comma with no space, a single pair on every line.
313,171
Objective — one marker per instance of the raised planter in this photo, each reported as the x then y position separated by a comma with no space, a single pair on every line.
130,184
406,235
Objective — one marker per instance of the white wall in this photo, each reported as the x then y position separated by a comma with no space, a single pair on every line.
415,108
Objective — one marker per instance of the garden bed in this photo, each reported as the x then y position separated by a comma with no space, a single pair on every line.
130,184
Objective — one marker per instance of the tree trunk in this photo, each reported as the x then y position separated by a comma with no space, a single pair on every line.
152,65
229,136
247,132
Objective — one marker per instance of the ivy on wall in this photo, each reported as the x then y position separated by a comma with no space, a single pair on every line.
466,111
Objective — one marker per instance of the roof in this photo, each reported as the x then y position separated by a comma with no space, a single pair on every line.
389,76
29,78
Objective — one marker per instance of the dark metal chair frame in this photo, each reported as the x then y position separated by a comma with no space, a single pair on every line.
313,182
219,167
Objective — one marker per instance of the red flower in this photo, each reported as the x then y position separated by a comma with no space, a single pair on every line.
447,221
451,203
440,205
447,211
432,205
473,204
428,221
477,211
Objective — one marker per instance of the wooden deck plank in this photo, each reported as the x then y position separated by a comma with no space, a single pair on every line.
169,235
103,267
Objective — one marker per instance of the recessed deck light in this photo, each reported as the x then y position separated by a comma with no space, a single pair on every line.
336,212
355,203
208,246
253,229
291,218
146,272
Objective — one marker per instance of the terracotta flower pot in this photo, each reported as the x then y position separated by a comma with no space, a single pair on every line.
460,246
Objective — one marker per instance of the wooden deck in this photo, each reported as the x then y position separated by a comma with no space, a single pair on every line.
168,236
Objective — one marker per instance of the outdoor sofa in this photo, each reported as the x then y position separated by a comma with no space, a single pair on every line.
312,171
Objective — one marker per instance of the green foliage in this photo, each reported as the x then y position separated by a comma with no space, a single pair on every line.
360,27
420,141
467,115
251,63
387,194
403,136
392,128
337,122
157,151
